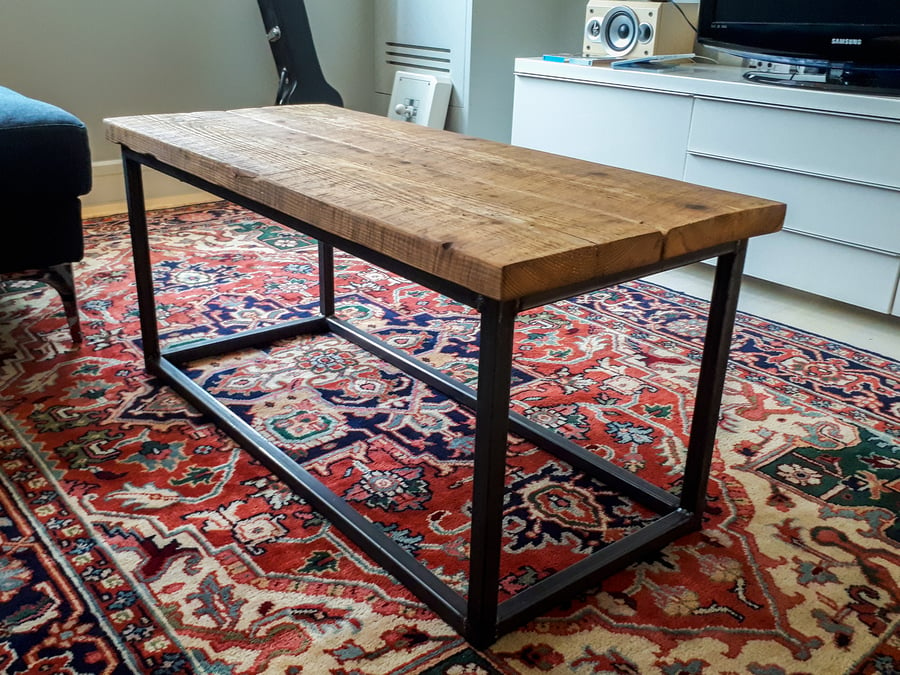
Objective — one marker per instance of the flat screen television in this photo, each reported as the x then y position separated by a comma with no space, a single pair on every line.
854,42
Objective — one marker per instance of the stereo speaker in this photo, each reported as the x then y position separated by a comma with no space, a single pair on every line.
631,30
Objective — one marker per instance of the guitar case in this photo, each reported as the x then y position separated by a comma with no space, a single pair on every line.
300,77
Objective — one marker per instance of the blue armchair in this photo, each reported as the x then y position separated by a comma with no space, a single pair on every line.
45,166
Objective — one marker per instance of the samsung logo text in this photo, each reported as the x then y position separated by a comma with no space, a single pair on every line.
846,41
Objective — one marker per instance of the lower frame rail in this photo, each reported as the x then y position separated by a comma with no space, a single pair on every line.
227,344
648,494
424,584
589,572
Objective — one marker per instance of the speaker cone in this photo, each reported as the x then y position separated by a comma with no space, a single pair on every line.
620,30
645,33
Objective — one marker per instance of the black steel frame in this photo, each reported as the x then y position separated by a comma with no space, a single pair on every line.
478,617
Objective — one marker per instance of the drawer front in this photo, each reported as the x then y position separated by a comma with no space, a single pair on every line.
896,311
853,148
852,275
839,210
625,128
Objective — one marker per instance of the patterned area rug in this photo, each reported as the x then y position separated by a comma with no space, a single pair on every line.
136,538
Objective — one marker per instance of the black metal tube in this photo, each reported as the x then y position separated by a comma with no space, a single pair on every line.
590,571
572,290
711,381
363,533
650,495
326,279
143,269
399,359
488,484
226,344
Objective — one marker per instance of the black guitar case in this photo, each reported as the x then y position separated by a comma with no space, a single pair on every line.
300,77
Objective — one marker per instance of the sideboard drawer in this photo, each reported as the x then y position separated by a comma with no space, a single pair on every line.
853,275
857,214
626,128
852,148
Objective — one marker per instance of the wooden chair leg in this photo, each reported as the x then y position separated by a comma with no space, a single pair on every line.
63,280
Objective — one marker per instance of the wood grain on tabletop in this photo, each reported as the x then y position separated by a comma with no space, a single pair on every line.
500,220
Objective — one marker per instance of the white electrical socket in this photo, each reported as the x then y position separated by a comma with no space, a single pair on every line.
419,98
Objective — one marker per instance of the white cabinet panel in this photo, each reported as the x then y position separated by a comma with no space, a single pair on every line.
896,310
848,212
853,275
627,128
847,147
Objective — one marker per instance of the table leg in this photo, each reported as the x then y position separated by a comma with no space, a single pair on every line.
143,271
326,279
488,486
711,382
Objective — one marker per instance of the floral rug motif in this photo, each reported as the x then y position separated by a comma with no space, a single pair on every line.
135,537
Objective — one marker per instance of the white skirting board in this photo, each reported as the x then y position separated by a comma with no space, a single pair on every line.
107,195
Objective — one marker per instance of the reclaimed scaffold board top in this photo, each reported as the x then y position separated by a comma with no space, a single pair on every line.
502,221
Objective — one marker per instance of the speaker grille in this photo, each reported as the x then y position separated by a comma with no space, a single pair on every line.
620,30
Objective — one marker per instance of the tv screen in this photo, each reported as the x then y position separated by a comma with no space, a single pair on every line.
851,33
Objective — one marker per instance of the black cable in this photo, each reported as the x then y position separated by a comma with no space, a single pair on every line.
684,16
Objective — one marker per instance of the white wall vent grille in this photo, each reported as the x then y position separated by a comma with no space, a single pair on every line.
437,59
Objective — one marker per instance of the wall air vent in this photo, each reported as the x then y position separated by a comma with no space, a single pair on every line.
417,56
412,57
475,43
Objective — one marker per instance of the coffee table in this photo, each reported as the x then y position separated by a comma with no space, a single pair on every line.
499,228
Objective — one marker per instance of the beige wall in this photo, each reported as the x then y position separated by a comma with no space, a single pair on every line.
102,58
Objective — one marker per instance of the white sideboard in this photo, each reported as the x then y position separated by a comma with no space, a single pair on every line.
832,157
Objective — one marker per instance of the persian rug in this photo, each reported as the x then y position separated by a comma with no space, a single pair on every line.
135,537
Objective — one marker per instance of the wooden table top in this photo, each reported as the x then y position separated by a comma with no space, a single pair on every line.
503,221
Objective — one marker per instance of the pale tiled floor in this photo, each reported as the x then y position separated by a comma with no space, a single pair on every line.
874,332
